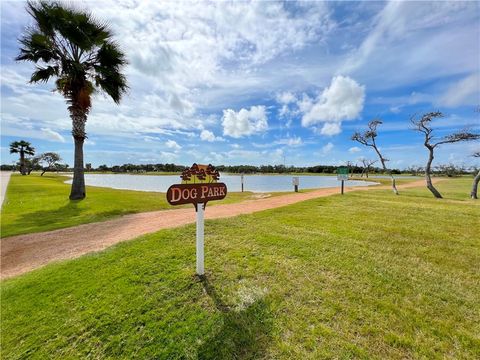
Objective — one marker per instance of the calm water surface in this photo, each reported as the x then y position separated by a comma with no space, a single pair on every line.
254,183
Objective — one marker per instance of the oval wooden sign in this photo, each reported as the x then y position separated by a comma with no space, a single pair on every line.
180,194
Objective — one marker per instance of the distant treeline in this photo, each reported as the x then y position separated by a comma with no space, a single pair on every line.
447,170
281,169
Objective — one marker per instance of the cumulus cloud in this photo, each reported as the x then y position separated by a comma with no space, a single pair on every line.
209,136
52,135
285,97
327,148
342,100
172,144
330,129
245,122
287,100
354,150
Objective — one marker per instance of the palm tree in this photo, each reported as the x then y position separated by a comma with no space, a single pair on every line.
70,45
23,148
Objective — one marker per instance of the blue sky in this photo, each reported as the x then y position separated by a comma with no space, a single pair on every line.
261,82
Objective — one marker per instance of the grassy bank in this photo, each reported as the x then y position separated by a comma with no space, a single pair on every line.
364,275
39,203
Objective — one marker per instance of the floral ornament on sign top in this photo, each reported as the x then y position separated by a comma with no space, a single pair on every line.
199,174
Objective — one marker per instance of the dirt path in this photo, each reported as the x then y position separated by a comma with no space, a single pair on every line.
22,253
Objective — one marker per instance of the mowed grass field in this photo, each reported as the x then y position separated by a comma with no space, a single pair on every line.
37,203
365,275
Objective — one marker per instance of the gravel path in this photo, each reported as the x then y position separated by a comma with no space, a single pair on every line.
23,253
4,180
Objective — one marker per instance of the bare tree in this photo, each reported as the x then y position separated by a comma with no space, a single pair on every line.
367,164
476,180
50,159
368,139
450,170
423,125
351,165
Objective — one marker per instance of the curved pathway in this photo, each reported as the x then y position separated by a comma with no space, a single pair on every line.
22,253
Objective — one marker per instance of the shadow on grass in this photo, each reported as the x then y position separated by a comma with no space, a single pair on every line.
46,216
51,219
244,334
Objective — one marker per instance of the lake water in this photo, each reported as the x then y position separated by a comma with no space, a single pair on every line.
254,183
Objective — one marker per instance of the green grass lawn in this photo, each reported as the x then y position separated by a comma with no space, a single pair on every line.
39,203
364,275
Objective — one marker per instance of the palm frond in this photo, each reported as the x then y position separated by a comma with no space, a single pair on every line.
21,146
109,55
36,46
42,13
113,83
43,74
74,47
80,27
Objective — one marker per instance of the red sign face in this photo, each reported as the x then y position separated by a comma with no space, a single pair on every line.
180,194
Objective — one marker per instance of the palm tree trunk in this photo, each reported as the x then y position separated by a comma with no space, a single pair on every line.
79,117
476,180
428,178
78,184
22,163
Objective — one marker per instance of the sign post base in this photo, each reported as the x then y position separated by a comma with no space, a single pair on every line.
200,238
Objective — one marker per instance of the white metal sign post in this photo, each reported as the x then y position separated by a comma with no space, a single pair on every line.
200,237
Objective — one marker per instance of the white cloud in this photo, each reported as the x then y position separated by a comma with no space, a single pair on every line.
209,136
291,141
397,21
148,138
168,156
189,44
285,98
52,135
182,57
354,149
342,100
327,148
427,40
172,144
463,92
330,129
284,111
270,156
245,122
